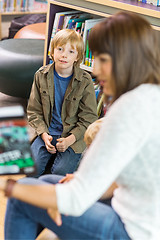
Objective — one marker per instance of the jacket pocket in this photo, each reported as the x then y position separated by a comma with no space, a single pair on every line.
72,105
45,99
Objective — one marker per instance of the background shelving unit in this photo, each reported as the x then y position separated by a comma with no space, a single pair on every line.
102,8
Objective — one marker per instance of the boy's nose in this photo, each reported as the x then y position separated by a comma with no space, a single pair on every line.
64,54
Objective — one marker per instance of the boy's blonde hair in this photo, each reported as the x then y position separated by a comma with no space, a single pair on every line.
92,131
71,36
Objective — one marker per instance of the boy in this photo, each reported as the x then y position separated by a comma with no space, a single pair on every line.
62,105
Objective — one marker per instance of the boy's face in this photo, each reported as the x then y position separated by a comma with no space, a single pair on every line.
64,57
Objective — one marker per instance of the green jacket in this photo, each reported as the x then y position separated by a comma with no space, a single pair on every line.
79,108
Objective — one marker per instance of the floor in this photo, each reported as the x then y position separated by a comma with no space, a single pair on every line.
6,100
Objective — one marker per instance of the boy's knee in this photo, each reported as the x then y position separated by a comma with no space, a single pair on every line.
53,179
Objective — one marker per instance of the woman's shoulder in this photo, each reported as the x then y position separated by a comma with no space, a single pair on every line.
142,100
144,92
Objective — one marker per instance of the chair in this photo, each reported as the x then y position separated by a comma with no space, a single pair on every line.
19,60
32,31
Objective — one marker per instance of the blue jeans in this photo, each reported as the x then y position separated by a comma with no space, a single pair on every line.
98,222
63,162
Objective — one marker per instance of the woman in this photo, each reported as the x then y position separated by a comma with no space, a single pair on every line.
126,150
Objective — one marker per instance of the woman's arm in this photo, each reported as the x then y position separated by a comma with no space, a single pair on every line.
43,196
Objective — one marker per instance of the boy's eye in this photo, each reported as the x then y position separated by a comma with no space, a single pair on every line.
71,51
60,48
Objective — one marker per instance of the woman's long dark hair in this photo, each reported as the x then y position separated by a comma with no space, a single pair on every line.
134,47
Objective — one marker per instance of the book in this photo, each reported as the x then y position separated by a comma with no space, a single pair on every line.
89,24
57,18
78,26
72,22
82,28
60,22
30,5
87,49
90,59
87,28
1,5
15,152
18,5
40,4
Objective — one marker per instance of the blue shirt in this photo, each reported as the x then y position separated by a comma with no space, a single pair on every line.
60,86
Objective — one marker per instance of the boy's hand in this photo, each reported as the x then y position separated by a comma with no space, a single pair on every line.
62,144
67,178
47,140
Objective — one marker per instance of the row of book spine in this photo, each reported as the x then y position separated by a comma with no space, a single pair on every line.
16,5
153,2
80,22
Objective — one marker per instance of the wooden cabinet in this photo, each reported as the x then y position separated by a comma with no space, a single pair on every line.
103,8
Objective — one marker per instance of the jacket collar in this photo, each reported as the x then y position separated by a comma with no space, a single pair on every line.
78,72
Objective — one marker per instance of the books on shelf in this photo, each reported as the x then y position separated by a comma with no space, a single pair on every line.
152,2
61,22
22,5
79,18
80,22
40,5
15,152
89,58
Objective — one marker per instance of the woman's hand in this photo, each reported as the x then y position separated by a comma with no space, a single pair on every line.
47,140
55,215
67,178
2,184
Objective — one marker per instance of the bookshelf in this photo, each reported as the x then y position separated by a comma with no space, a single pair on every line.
102,8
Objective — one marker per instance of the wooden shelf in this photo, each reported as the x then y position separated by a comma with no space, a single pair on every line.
103,8
132,6
21,13
88,69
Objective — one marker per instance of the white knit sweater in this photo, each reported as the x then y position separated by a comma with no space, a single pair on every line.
126,150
